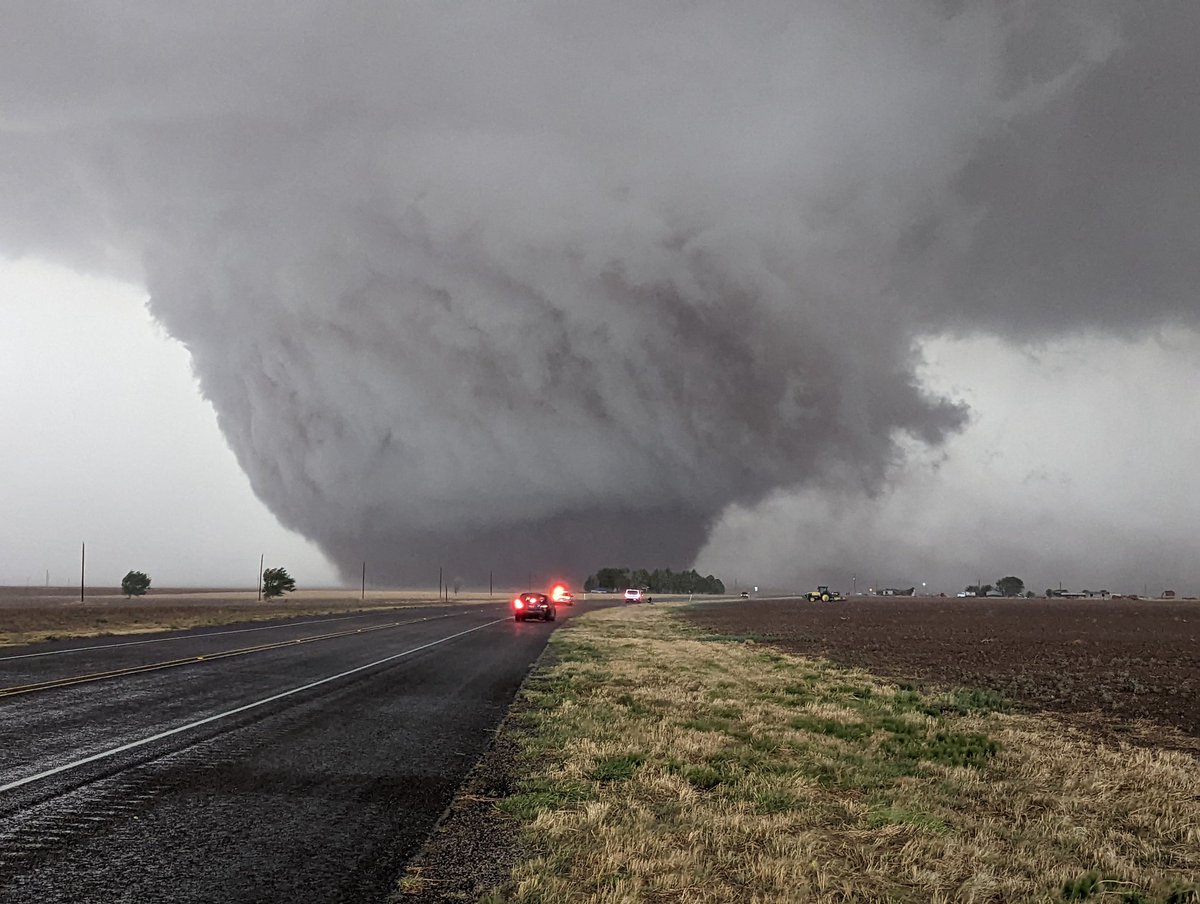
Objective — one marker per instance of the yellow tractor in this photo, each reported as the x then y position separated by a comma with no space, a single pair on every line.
823,595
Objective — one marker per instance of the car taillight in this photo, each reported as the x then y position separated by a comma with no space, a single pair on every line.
518,604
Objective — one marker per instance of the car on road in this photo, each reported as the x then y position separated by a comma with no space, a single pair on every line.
533,605
567,598
633,595
745,594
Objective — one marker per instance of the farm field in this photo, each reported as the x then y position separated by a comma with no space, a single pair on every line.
41,614
1133,666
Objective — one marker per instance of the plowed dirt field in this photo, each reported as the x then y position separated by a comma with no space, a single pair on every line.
1127,663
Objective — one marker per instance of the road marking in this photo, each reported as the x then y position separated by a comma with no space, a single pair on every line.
72,680
137,643
104,754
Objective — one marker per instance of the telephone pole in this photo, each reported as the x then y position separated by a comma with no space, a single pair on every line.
82,568
261,560
364,581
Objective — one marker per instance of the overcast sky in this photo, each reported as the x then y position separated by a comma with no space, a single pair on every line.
895,292
106,440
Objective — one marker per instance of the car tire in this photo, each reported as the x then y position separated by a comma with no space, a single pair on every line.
551,615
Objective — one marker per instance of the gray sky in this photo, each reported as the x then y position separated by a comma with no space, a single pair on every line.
550,285
106,440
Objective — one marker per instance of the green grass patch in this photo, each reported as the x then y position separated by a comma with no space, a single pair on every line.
946,748
833,728
707,722
894,815
617,768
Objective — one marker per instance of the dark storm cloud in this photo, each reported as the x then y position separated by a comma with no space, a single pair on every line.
559,281
1087,207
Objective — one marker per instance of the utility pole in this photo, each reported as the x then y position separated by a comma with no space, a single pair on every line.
261,561
82,568
439,583
489,585
364,581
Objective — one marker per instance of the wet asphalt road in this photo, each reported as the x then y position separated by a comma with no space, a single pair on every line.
308,770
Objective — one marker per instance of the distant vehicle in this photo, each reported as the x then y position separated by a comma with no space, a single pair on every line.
633,595
823,595
533,605
745,594
965,593
567,598
560,594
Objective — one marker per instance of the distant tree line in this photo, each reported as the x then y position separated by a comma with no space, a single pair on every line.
660,580
1009,585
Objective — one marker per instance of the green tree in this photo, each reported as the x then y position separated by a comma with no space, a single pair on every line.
1010,586
277,582
135,583
610,579
660,580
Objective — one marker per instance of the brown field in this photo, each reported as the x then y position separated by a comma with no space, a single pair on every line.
1123,666
30,615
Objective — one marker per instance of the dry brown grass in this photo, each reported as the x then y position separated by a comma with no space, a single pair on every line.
24,621
669,767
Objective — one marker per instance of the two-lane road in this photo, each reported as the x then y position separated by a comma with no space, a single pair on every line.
296,762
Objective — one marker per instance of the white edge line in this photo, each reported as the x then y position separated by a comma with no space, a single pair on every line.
104,754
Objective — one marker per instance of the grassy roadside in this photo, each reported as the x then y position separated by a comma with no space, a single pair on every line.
661,765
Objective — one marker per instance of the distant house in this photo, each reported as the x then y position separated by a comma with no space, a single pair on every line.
1168,594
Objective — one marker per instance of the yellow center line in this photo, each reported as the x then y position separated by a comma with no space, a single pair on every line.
72,680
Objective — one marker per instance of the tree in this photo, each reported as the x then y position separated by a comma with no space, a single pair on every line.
277,582
1010,586
660,580
611,579
135,583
